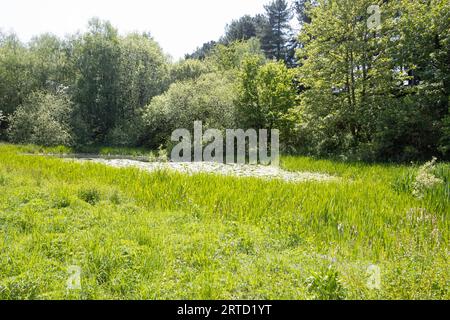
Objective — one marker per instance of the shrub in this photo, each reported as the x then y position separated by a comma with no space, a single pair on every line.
89,195
3,180
61,201
233,55
115,197
209,99
425,179
188,70
2,121
326,285
266,96
126,133
444,145
44,119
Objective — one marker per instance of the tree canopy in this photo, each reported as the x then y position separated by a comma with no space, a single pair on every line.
366,82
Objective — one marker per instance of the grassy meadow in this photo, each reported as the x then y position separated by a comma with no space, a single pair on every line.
136,235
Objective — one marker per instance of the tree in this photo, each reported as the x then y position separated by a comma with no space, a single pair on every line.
188,69
117,77
230,57
98,83
51,62
44,119
266,94
143,73
245,28
346,71
242,29
278,30
16,80
209,98
2,129
203,51
374,92
301,10
424,55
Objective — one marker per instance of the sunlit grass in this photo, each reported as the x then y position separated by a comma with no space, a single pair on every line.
165,235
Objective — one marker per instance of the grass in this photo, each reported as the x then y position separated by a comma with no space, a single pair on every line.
100,150
164,235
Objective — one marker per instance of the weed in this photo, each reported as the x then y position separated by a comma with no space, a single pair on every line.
326,285
90,195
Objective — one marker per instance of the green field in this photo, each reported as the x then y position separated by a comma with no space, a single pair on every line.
164,235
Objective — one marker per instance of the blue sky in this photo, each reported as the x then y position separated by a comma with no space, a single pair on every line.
178,25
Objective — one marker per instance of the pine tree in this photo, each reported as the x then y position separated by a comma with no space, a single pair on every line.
242,29
278,30
300,8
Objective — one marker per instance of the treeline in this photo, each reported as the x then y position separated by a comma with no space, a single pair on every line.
274,29
87,88
341,87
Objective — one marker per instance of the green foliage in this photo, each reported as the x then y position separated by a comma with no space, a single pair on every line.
127,132
359,93
2,125
210,99
444,145
266,94
245,28
118,76
374,94
144,73
231,57
52,66
188,69
90,195
301,12
202,52
43,119
98,61
325,285
171,236
277,31
16,80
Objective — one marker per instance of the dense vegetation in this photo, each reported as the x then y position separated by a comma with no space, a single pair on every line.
338,88
164,235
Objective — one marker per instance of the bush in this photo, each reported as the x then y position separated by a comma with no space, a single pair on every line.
188,70
406,129
126,133
2,121
325,285
89,195
425,179
266,96
233,55
210,98
44,119
444,146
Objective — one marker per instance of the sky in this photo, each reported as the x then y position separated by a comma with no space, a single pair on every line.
180,26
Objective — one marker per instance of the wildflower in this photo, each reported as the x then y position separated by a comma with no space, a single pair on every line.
425,179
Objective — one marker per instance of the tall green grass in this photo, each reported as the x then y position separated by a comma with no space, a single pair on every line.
165,235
